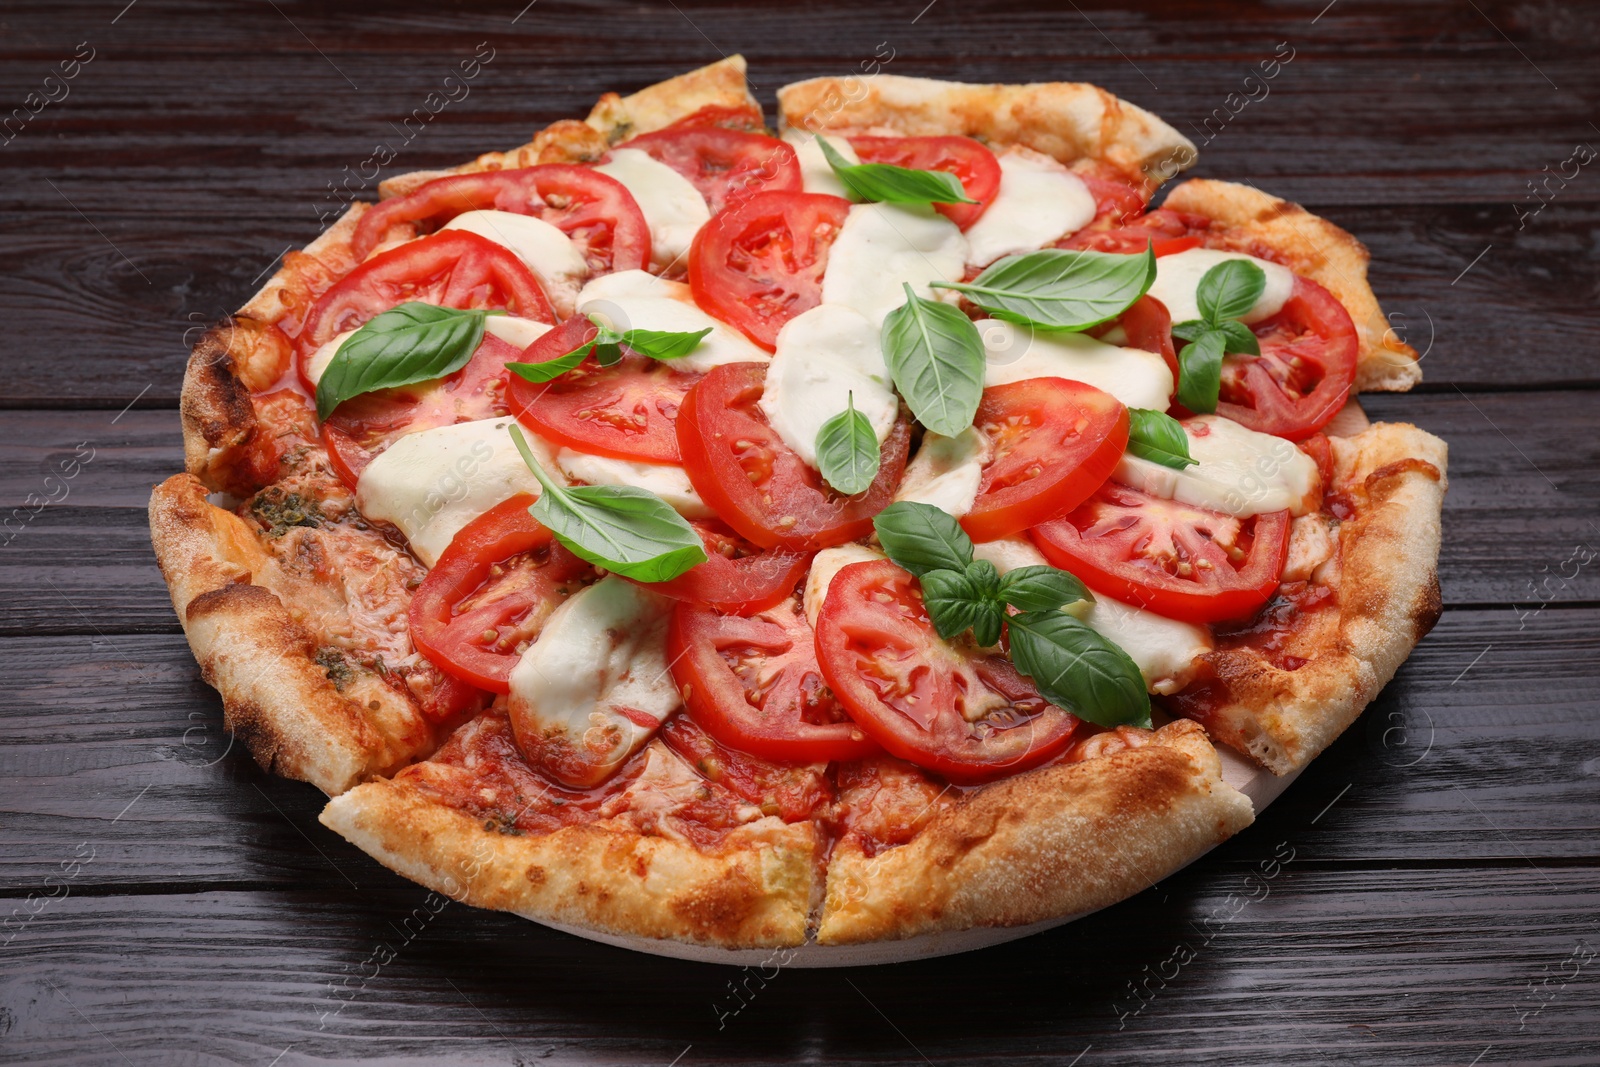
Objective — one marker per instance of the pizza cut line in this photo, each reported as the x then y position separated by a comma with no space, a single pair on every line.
673,530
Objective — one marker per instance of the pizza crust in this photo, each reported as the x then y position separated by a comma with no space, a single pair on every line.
1043,845
1317,249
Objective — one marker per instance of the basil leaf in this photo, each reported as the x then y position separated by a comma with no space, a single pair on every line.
1191,329
412,343
985,579
1158,437
936,357
1237,337
1058,289
622,528
551,369
657,344
1040,588
888,184
1200,372
1229,290
986,627
1077,669
953,603
662,344
923,538
847,450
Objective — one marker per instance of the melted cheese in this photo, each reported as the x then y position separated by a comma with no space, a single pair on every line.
324,355
1014,353
666,480
816,176
672,206
946,471
826,564
638,300
826,357
881,247
551,255
1039,202
1237,471
1178,280
519,333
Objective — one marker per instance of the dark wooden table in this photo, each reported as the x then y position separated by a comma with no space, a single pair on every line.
169,903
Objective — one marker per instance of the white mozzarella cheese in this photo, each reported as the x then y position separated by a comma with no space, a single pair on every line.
519,333
827,358
666,480
826,564
1178,280
433,482
1165,650
881,247
638,300
672,206
1015,353
1039,202
1237,471
324,355
946,471
550,254
816,176
597,678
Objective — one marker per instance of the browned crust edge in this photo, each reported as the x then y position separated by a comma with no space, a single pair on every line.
1322,252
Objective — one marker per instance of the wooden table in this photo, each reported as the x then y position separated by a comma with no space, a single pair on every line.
169,903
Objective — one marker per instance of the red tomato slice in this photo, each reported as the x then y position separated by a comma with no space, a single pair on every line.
1053,443
1116,198
759,263
1176,560
973,165
913,693
1171,231
753,684
737,578
790,791
1147,325
746,116
625,410
1304,373
490,593
759,485
593,209
725,165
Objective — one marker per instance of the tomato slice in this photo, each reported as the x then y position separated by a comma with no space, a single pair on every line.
973,165
753,684
593,209
757,483
959,712
1147,325
1053,442
1116,198
737,578
790,791
1304,373
625,410
745,116
1171,232
490,593
1174,559
759,263
723,164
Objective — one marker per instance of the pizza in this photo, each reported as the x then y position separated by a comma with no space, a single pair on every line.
678,528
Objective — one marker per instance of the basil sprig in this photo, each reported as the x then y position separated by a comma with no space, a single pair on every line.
1226,291
606,346
936,357
1077,669
847,450
889,184
1058,289
412,343
625,529
1158,437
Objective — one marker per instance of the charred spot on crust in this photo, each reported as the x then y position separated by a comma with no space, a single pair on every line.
277,510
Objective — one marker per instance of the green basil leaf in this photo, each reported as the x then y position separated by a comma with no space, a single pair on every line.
626,530
412,343
663,344
991,615
1157,436
551,369
985,579
1229,290
1200,372
1040,588
1078,670
1058,289
847,450
923,538
657,344
1237,337
1191,329
936,357
888,184
953,604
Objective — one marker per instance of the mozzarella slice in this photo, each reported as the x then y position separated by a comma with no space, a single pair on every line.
324,355
947,471
1015,353
638,300
816,176
1237,471
1166,651
595,686
519,333
666,480
881,247
827,358
433,482
826,564
550,254
672,206
1178,280
1039,202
